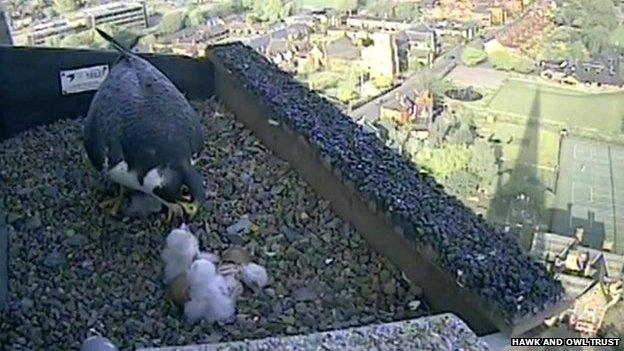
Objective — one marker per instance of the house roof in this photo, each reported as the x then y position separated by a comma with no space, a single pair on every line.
605,70
259,43
551,244
199,33
276,46
421,27
295,30
343,48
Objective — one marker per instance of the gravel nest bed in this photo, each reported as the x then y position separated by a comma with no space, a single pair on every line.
74,268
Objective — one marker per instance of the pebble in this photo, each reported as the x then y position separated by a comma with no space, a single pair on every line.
304,294
290,234
54,260
33,222
77,240
112,282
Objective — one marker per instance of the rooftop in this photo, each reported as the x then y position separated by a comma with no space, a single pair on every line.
111,7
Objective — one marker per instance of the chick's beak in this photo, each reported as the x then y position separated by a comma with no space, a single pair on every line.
190,208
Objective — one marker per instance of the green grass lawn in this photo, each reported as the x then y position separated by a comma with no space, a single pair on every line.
527,144
529,156
599,113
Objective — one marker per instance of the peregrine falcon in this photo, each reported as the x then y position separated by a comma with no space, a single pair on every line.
143,134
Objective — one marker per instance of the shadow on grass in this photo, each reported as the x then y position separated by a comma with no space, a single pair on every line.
519,199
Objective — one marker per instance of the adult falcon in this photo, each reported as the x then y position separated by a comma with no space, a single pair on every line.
142,133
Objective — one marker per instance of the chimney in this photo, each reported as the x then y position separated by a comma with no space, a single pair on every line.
578,235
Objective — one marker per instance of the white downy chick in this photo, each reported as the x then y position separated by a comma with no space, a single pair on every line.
180,249
209,294
254,274
231,272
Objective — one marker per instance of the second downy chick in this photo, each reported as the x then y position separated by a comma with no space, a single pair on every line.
209,294
180,249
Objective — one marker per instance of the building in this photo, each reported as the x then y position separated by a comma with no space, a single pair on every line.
604,70
593,278
376,23
39,33
117,14
124,14
381,58
192,41
409,107
452,28
416,44
307,20
576,264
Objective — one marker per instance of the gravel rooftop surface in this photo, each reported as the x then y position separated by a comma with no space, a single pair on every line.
74,268
437,333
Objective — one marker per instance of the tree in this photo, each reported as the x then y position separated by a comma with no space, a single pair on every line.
523,65
148,39
308,67
270,11
84,39
437,132
596,39
461,133
171,22
504,61
483,164
501,60
346,5
443,162
414,64
195,17
563,43
617,38
593,21
68,5
346,94
405,12
382,82
462,184
473,56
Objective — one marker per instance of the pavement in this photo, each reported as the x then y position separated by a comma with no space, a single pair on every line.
478,76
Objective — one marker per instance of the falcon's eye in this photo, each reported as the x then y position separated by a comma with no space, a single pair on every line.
186,193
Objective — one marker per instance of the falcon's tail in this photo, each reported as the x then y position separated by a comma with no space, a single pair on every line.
125,52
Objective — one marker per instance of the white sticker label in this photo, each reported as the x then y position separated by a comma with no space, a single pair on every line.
83,79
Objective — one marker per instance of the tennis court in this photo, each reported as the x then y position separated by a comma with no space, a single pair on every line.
590,192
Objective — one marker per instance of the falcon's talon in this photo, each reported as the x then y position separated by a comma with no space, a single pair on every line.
170,216
113,203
